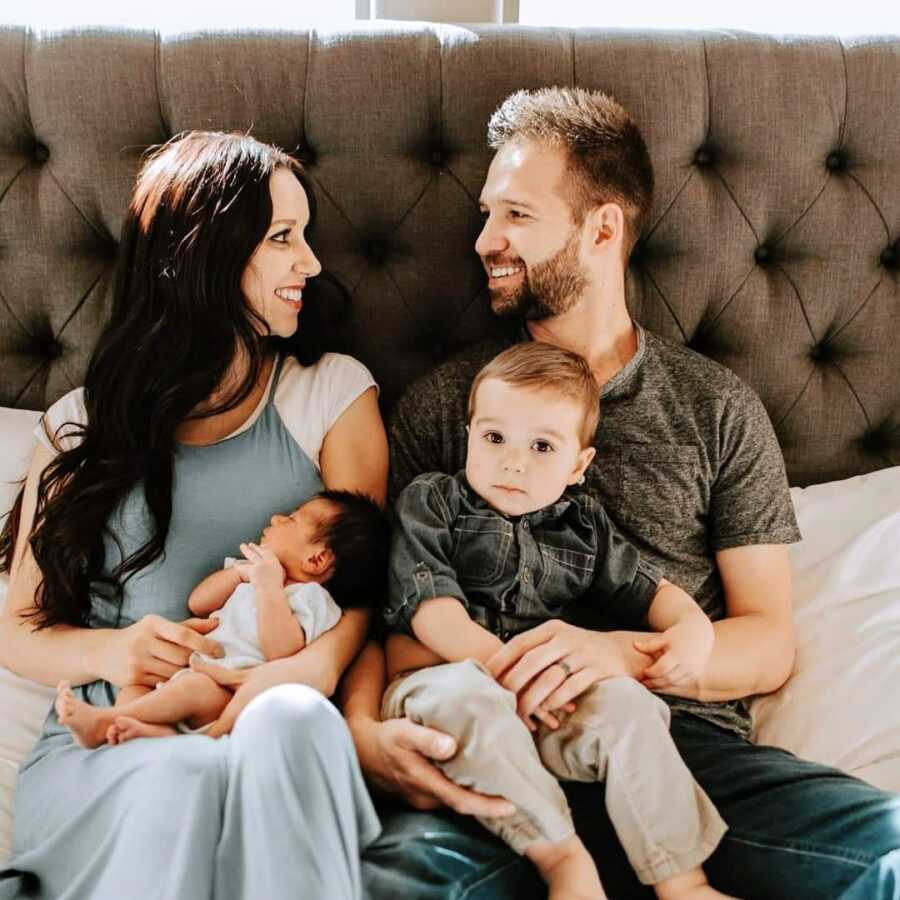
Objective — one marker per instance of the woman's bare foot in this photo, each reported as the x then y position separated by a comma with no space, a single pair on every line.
690,885
87,723
127,728
568,869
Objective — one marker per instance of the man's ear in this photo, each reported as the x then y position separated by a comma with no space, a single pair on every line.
583,461
607,226
319,561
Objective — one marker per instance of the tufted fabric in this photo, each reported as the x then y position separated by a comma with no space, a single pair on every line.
773,246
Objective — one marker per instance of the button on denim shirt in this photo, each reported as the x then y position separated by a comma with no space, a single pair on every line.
511,572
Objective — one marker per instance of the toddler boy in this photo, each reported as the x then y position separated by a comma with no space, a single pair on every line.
501,547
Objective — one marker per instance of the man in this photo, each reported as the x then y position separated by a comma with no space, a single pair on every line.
689,469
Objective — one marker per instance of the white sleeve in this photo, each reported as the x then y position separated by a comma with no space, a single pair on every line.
310,399
59,427
314,608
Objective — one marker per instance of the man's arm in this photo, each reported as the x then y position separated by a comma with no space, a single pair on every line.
398,755
750,521
753,651
754,648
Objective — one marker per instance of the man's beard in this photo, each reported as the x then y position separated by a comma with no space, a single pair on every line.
550,289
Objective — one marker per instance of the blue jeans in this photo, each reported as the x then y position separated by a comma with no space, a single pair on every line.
797,830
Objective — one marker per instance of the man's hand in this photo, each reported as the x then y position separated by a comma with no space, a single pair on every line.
398,756
551,665
681,654
262,568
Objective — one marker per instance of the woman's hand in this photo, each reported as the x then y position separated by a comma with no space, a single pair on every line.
154,649
398,757
549,666
302,668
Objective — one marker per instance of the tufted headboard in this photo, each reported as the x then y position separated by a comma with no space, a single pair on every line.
773,246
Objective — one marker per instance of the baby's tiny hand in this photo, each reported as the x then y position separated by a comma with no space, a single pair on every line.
264,568
680,653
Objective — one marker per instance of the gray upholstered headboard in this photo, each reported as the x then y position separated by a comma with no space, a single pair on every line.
774,245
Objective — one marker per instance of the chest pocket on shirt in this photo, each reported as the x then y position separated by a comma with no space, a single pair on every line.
482,548
567,574
661,490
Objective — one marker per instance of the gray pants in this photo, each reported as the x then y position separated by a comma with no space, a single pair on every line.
618,733
278,810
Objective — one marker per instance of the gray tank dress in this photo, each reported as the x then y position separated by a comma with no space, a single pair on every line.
278,809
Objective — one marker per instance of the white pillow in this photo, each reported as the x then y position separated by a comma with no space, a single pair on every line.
840,706
23,704
17,443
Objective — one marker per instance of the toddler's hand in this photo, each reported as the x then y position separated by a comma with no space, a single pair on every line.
680,653
263,568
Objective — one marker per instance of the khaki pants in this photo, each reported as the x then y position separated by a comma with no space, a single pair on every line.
619,734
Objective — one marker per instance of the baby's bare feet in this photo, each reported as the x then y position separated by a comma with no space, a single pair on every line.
127,728
87,723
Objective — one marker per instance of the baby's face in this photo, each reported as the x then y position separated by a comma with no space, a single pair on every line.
293,536
524,447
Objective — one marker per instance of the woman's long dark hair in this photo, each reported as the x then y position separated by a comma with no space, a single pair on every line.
200,209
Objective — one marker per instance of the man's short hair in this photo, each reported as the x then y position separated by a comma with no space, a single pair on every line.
538,366
608,160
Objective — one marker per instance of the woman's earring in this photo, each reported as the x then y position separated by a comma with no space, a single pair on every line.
580,480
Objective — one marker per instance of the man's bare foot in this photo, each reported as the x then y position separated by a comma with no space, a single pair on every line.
127,728
87,723
568,869
690,885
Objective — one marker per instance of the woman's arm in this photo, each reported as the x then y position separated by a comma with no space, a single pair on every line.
60,651
319,665
144,653
753,650
354,455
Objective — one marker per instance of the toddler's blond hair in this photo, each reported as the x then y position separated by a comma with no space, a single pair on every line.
537,366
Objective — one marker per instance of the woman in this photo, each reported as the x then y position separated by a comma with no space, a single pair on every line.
205,410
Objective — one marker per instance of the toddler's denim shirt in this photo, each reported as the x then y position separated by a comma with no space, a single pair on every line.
511,572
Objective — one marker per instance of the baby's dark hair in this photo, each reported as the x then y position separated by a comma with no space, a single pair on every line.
358,535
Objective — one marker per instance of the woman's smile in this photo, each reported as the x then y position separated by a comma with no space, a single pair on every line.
292,296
